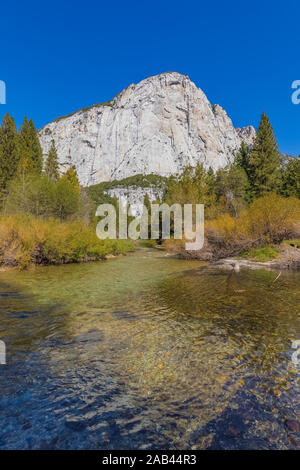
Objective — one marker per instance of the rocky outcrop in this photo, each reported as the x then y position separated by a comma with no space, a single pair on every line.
227,256
246,134
289,259
160,125
134,197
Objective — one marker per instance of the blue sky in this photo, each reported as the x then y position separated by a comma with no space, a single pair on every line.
60,56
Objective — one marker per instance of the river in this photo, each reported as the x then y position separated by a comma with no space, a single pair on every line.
149,352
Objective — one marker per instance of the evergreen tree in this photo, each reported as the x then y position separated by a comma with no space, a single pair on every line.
211,181
291,178
51,165
9,154
71,176
264,167
242,161
31,155
242,158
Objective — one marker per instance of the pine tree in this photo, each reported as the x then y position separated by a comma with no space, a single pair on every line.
264,167
51,165
291,178
31,155
71,177
9,152
242,161
211,180
242,158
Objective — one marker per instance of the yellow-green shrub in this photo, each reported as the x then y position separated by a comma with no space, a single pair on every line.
26,239
273,217
269,219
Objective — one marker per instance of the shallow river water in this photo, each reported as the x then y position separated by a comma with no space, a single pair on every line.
149,352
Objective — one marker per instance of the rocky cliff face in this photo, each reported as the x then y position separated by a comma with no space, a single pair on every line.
160,125
134,197
246,134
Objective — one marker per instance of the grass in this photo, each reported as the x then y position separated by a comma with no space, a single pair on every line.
294,242
263,254
150,243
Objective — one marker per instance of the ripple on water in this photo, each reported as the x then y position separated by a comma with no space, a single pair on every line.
170,356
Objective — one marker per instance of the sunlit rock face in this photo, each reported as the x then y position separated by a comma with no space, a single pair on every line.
246,134
160,125
134,197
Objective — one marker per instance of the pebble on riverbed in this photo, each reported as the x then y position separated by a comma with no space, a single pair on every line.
292,425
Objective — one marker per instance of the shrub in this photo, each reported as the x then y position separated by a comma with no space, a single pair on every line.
28,240
269,219
274,218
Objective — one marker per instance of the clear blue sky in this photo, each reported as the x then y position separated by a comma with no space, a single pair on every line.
60,56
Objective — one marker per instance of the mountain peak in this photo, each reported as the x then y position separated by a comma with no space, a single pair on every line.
159,125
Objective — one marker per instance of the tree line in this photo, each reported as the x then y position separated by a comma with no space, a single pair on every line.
28,184
31,185
255,172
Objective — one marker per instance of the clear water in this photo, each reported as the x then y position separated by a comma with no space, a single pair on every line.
149,352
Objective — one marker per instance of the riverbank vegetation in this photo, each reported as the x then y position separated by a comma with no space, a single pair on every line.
250,204
45,217
263,254
268,221
27,240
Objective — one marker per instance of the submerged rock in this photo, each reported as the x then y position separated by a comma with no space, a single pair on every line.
293,425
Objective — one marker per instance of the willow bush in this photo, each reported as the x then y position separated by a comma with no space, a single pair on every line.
269,219
26,240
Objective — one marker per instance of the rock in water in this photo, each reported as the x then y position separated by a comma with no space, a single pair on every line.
160,125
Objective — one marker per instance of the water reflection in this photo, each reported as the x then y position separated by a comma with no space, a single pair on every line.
148,352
